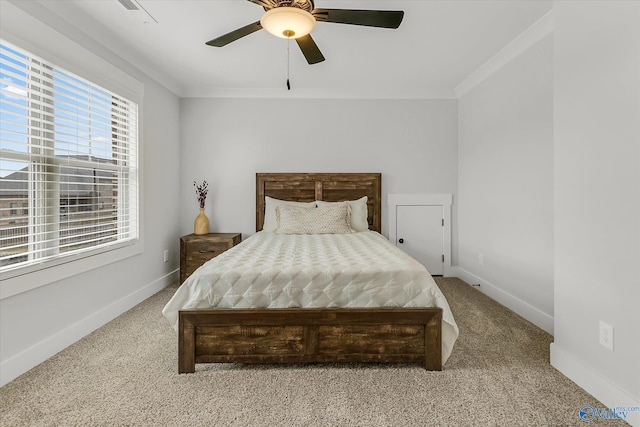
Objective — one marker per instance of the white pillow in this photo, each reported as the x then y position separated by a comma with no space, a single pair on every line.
325,220
270,205
359,213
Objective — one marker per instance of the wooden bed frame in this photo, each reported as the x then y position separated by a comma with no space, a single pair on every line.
302,335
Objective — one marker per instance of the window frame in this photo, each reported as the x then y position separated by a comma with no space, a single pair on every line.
93,68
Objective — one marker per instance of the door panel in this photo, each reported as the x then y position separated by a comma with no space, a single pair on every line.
421,232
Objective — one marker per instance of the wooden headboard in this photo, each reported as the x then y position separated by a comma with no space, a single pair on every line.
330,187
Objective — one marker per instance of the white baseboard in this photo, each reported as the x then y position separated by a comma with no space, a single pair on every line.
593,383
38,353
534,315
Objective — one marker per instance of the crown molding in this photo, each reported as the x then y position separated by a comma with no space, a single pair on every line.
314,93
73,23
533,34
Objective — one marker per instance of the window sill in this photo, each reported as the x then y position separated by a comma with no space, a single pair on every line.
24,279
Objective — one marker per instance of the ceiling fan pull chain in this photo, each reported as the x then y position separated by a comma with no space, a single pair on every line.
288,60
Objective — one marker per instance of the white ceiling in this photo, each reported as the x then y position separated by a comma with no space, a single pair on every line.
438,45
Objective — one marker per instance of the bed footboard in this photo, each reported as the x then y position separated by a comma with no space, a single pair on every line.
291,335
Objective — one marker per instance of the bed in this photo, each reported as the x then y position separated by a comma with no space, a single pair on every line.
305,298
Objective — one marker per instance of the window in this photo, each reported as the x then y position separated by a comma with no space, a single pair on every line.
68,158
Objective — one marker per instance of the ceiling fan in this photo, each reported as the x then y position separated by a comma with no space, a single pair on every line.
294,19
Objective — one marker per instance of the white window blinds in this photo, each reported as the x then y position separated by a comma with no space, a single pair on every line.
68,162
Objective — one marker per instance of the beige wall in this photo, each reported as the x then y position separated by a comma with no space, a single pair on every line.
36,324
597,196
226,141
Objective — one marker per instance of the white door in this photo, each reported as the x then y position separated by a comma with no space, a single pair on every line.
420,233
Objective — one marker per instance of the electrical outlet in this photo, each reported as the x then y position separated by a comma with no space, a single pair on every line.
481,258
606,335
166,255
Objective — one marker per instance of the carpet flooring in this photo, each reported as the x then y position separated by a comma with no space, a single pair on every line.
125,374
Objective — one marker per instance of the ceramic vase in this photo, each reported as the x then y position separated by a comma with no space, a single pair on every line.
201,224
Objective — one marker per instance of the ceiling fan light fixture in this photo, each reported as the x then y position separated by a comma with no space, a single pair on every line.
288,22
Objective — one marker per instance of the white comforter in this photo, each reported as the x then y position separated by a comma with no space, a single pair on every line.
271,270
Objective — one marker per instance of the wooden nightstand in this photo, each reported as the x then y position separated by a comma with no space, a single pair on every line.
195,250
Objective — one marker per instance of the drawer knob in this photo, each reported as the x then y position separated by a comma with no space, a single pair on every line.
202,251
401,241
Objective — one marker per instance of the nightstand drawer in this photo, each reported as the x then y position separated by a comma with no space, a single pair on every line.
195,250
205,249
196,257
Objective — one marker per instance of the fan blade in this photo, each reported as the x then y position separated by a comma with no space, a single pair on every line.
369,18
264,3
310,49
235,35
